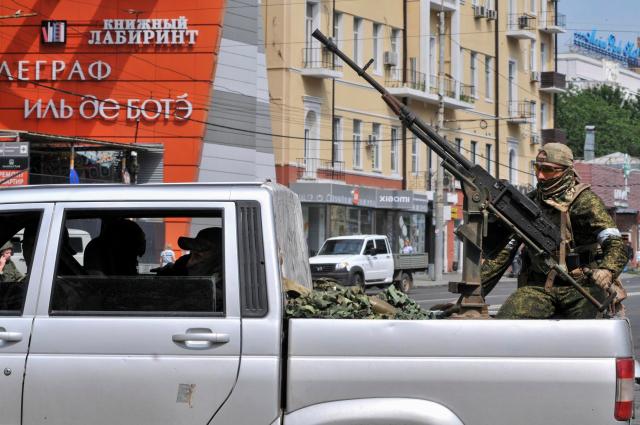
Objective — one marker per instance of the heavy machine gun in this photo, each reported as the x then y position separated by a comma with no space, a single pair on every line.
494,210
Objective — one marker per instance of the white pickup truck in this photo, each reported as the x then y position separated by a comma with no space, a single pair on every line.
363,260
207,342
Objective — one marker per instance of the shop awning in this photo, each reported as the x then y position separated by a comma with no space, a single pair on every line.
54,141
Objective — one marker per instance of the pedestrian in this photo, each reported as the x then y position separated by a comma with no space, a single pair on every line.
407,248
167,256
8,270
588,233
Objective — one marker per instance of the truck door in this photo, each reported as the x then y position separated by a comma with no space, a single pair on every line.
18,294
116,341
385,260
369,263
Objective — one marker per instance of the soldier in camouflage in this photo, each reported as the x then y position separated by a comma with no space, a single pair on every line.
588,233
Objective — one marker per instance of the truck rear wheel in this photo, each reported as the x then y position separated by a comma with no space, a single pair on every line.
406,282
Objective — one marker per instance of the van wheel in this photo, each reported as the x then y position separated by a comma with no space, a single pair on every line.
406,283
358,280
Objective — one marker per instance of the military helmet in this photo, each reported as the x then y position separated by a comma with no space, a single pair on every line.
556,153
7,245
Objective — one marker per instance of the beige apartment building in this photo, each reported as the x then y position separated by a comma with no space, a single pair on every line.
337,144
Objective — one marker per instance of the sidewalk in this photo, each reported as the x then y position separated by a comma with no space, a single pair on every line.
421,280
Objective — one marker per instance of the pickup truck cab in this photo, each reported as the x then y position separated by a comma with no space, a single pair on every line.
363,260
100,341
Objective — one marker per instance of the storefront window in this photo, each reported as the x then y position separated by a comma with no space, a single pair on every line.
314,226
410,226
350,220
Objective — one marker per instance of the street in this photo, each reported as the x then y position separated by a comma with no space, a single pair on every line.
429,295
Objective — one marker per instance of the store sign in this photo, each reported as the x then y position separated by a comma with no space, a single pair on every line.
329,193
53,32
168,32
14,162
55,70
628,53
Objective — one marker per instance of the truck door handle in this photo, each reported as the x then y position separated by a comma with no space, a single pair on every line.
216,338
11,336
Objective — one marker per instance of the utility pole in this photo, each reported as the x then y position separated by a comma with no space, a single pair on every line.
439,197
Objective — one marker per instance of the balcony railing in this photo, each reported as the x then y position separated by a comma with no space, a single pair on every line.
320,169
519,111
553,135
553,22
553,82
449,86
420,181
467,93
415,80
321,63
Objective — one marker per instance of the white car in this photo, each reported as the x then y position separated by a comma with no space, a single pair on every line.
363,260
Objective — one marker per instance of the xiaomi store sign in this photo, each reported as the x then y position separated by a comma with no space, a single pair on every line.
123,71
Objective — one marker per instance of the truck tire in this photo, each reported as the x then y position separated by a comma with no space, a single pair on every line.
405,283
358,280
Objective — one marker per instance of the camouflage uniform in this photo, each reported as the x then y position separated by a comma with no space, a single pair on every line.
9,273
595,239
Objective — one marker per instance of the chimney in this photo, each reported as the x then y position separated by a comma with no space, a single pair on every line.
590,143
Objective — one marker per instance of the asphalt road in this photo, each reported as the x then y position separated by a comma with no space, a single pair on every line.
428,296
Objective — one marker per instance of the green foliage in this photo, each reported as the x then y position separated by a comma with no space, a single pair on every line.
605,107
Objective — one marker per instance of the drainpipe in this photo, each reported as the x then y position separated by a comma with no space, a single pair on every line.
404,99
333,93
497,87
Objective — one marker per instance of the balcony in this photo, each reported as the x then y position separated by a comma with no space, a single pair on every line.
519,112
553,23
554,135
456,95
320,63
521,26
446,5
553,82
320,169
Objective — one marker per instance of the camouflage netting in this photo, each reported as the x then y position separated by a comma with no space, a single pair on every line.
329,300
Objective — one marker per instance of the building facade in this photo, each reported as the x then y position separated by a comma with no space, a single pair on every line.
585,71
141,92
337,136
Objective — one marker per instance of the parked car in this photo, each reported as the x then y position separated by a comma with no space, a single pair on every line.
146,348
363,260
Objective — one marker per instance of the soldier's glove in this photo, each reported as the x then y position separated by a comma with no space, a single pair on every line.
603,278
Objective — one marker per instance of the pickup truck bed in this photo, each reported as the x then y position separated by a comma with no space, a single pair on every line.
485,372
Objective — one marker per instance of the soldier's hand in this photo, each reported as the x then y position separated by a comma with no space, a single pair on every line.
603,278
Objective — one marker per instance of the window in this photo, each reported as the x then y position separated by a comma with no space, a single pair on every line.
474,75
474,151
433,70
533,180
311,14
357,144
381,246
543,115
415,163
543,57
459,144
375,147
532,5
395,47
512,166
369,246
377,48
337,33
18,235
534,118
394,149
512,85
357,40
488,158
488,80
532,57
114,278
337,139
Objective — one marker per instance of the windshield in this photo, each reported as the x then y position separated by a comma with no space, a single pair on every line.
341,246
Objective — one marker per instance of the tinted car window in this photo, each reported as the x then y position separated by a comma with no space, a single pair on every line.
381,246
16,228
121,272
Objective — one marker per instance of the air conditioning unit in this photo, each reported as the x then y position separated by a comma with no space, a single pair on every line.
523,22
492,15
478,11
390,58
535,76
535,139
